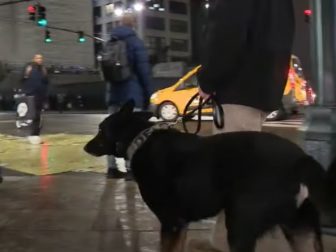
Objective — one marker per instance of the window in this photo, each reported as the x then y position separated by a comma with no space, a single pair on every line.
156,42
109,8
109,27
155,5
190,83
178,7
97,29
97,11
155,23
180,45
178,26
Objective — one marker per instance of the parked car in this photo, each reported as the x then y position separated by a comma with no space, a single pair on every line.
169,103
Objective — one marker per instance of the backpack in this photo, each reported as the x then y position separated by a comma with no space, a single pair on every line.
114,62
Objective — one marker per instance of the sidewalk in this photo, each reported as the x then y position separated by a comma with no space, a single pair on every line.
87,213
83,211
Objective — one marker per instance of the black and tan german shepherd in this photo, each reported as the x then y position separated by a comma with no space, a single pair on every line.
260,180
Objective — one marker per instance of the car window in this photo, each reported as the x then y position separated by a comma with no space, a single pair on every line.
189,83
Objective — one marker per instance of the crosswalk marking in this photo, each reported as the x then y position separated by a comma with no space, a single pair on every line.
294,123
290,123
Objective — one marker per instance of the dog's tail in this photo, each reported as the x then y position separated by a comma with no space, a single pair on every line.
321,183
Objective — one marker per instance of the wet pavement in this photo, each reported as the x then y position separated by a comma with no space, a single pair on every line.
64,136
59,153
83,211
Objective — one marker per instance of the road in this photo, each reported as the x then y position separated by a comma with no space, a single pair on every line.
86,123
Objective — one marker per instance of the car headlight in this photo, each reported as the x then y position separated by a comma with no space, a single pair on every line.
154,96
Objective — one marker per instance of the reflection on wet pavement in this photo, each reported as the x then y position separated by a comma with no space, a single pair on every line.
76,213
59,153
85,212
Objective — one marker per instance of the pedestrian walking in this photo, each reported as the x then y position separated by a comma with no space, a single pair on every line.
125,65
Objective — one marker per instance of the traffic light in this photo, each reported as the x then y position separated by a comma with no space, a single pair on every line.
81,37
32,12
47,37
307,14
41,16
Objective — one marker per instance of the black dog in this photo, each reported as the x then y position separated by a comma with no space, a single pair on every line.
255,177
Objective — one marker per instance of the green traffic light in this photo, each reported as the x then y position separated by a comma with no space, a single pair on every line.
42,22
81,37
48,40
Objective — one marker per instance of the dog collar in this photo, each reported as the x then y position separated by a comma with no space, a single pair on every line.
141,138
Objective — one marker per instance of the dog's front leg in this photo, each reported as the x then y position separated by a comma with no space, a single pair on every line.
173,239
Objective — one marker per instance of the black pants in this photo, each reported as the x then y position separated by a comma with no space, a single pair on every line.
36,124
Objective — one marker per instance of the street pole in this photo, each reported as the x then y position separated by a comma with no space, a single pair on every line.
319,128
73,31
140,22
139,8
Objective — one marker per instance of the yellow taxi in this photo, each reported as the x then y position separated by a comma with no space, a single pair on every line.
169,103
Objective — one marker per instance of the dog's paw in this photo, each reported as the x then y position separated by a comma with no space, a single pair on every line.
302,195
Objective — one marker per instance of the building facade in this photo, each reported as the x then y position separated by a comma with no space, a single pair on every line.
164,25
21,38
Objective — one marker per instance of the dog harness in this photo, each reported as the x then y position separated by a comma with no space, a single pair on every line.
141,138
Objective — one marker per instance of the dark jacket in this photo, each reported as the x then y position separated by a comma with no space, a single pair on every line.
138,87
35,80
247,51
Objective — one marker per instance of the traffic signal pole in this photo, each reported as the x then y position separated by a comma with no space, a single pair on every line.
73,31
14,2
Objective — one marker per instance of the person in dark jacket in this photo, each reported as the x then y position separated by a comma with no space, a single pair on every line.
246,58
245,64
137,87
35,83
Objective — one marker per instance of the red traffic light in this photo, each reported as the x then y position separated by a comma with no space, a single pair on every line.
31,9
308,12
307,15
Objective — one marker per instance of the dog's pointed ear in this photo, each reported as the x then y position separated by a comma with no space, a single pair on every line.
127,108
145,115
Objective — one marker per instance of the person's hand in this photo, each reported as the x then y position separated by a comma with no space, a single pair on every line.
203,94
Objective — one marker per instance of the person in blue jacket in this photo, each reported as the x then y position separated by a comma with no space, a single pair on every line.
137,87
35,83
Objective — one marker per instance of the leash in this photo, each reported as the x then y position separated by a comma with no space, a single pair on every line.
189,113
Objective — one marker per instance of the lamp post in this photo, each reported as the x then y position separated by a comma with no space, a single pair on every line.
319,128
139,7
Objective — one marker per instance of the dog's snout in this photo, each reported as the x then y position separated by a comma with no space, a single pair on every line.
86,148
92,146
95,147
